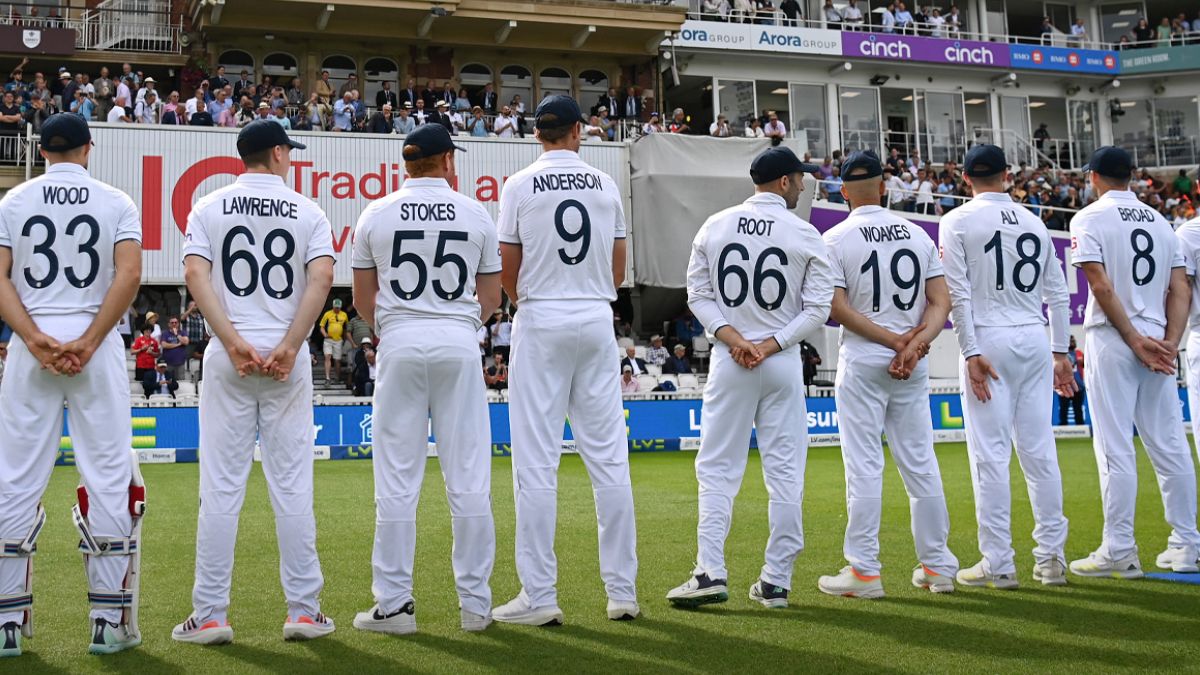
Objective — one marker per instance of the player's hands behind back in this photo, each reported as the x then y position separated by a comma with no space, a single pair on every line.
280,362
245,358
49,353
1064,376
1156,355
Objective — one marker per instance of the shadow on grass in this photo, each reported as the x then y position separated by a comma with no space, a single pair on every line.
328,655
136,661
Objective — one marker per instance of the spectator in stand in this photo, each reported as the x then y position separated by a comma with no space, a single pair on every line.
852,16
656,353
119,113
505,125
219,104
831,188
775,130
323,88
720,128
37,114
343,113
742,12
954,22
316,114
430,94
215,83
1183,185
105,89
1040,136
364,359
630,105
1143,34
386,97
463,103
487,99
158,380
632,362
147,110
606,123
764,13
277,98
294,96
810,358
716,10
382,122
264,111
1075,356
629,383
678,124
1078,33
887,18
149,86
654,126
245,86
831,15
1047,31
501,333
420,115
280,117
351,84
173,110
447,94
360,110
16,79
477,126
410,94
442,117
174,347
496,376
145,352
1163,33
202,118
895,190
895,162
127,73
678,364
518,109
593,132
936,23
915,163
196,331
924,190
904,19
755,130
332,326
946,190
82,105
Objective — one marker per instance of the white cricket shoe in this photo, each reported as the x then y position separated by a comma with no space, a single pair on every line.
1096,566
110,638
10,639
519,611
978,576
769,595
1050,573
851,583
623,610
699,590
400,622
471,622
305,627
923,577
1181,560
211,632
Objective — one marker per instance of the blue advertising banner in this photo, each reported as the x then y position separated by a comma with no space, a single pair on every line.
1065,59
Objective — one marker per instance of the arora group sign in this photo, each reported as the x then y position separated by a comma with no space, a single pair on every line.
719,35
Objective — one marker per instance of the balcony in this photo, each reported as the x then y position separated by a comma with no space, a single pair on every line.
138,26
599,26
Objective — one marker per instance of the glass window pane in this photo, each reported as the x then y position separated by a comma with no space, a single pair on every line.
946,130
1134,130
1178,126
1082,117
735,100
860,118
1119,19
808,121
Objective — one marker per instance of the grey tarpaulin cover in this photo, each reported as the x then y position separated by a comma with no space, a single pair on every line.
676,183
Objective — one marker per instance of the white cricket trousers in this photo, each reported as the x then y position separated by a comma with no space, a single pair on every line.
736,401
869,403
233,412
431,368
1123,393
31,422
1193,381
1020,411
564,363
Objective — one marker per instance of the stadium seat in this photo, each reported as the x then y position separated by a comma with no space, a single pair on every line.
137,400
186,389
623,343
187,400
701,347
135,389
669,378
688,382
654,369
160,401
647,382
639,352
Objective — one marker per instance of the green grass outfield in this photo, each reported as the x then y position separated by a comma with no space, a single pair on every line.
1089,626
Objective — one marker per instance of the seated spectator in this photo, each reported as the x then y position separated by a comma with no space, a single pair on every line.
755,129
158,381
496,376
280,117
145,350
654,126
246,114
382,122
463,102
679,123
633,362
364,371
656,353
477,125
593,132
629,383
202,118
720,128
678,364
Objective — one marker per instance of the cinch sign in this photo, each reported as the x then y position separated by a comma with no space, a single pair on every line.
931,50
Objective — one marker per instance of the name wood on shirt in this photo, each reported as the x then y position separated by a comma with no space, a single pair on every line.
60,194
259,206
882,233
566,181
420,211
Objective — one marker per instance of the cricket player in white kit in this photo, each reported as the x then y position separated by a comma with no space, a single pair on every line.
1134,320
562,240
420,257
1189,245
70,265
1001,267
759,282
259,263
891,300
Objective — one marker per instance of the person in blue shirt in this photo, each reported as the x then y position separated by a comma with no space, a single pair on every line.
833,186
904,18
947,190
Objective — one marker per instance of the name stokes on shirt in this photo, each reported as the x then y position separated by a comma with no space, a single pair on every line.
259,206
424,212
566,181
882,233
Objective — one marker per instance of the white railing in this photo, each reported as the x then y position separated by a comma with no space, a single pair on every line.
1017,148
113,30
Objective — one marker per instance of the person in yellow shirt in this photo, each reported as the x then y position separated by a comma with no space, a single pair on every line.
333,325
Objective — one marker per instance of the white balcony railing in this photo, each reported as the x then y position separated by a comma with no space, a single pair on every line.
115,25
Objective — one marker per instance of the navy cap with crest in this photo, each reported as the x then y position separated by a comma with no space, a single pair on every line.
65,131
861,166
1110,162
775,163
556,112
428,140
263,134
984,160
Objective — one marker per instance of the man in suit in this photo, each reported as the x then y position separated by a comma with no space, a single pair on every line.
386,96
441,115
630,107
632,361
218,82
410,94
448,94
487,99
678,364
608,100
430,94
153,381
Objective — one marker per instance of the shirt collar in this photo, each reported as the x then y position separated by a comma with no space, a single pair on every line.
767,199
1124,195
995,197
67,167
559,154
867,210
432,182
260,179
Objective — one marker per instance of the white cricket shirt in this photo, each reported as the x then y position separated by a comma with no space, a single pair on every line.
1001,267
761,269
1138,250
259,235
1189,248
427,243
883,262
565,215
62,227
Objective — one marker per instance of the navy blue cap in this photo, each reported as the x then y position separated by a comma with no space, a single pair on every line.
775,163
263,134
984,160
1108,161
64,131
556,112
857,161
428,140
